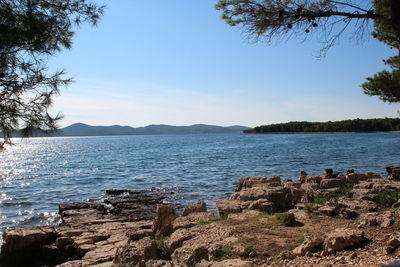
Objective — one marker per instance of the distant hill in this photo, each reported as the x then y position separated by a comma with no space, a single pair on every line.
356,125
81,129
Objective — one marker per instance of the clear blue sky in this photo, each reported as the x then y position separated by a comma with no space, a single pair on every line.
176,62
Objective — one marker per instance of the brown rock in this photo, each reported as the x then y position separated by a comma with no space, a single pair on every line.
343,239
230,206
162,224
262,205
394,242
310,244
330,183
137,234
199,206
136,253
314,179
28,242
191,220
278,196
253,181
200,246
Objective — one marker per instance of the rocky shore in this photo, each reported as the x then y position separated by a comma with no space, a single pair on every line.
334,219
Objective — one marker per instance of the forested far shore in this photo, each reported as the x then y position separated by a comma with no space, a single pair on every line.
356,125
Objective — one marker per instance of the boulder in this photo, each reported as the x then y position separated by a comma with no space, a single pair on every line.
280,199
310,244
230,206
343,239
204,241
162,224
199,206
393,244
29,242
262,205
136,253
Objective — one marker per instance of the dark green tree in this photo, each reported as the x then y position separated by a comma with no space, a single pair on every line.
30,32
328,20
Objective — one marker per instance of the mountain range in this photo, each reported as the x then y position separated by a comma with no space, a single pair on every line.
81,129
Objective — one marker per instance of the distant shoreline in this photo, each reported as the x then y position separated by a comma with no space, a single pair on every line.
324,132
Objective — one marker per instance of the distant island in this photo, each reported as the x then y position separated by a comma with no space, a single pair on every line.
356,125
81,129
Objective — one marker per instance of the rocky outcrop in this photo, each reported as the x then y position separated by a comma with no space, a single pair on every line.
134,229
162,224
36,244
343,239
309,245
89,234
199,206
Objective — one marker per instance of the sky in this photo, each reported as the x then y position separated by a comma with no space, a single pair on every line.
177,62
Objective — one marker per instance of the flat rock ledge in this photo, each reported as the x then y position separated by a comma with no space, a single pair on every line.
89,233
334,219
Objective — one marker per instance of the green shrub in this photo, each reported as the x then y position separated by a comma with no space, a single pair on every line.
319,200
342,192
385,199
162,248
247,251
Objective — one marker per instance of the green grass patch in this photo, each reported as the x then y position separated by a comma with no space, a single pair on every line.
385,199
301,237
262,215
319,200
162,248
228,251
342,192
215,219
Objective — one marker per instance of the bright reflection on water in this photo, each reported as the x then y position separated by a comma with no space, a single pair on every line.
38,174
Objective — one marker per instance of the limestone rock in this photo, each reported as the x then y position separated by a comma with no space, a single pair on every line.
330,183
162,224
135,253
191,220
253,181
137,234
205,240
309,244
230,206
28,242
343,239
199,206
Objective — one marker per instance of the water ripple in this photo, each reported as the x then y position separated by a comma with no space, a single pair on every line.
36,174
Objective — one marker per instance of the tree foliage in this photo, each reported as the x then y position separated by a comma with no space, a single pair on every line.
30,32
328,19
357,125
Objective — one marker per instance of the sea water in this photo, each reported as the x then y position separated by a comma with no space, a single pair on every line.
37,174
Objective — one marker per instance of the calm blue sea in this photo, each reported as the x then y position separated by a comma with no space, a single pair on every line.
39,173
